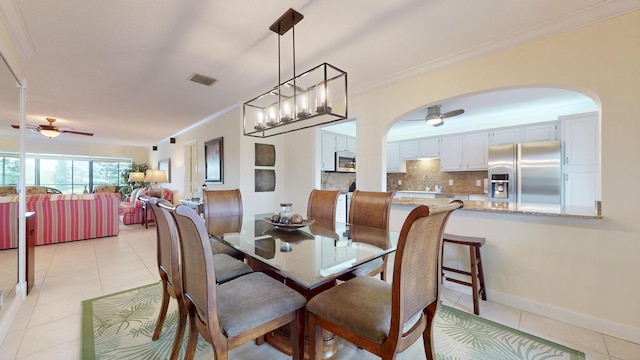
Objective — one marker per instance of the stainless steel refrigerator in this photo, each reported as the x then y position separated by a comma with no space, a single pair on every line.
527,174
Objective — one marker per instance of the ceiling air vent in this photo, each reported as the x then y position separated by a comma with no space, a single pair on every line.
202,79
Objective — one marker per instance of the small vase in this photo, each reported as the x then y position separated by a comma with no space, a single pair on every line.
85,191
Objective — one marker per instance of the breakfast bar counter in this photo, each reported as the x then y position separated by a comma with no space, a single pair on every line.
503,207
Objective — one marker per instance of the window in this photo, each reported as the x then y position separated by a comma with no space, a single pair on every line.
68,174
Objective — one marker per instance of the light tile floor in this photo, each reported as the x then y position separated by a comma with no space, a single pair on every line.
47,325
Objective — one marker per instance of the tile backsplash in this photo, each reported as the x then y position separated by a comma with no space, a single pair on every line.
427,171
337,180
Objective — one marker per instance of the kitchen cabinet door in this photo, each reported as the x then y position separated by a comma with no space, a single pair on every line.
476,146
341,143
429,148
393,158
341,208
580,190
541,132
506,136
328,152
451,153
581,139
351,144
409,150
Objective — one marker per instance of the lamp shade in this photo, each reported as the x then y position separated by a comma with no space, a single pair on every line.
156,176
136,176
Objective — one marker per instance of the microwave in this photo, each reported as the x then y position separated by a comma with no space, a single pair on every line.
345,161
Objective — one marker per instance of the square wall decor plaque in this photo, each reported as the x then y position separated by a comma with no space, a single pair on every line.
265,155
265,180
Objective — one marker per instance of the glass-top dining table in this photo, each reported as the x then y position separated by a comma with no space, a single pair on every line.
309,258
309,255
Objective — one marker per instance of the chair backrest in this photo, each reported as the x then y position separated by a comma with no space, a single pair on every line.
322,204
168,252
198,274
370,208
418,262
222,211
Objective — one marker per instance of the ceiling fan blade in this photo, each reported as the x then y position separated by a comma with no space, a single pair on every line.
414,119
452,113
26,126
76,132
438,124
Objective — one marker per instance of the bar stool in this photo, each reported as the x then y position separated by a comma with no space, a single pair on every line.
476,273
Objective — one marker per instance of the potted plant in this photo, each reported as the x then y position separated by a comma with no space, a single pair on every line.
126,189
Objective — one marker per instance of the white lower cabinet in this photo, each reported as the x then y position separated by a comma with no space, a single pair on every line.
580,189
341,208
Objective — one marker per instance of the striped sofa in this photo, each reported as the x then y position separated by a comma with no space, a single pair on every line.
61,217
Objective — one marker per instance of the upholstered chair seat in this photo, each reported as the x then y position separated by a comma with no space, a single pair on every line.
238,310
229,268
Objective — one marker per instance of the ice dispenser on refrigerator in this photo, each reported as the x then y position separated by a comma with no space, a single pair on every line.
500,186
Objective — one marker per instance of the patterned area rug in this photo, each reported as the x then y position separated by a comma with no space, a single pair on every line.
120,326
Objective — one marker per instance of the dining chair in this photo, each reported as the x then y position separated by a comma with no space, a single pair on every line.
371,209
169,268
230,314
223,214
382,318
322,204
168,258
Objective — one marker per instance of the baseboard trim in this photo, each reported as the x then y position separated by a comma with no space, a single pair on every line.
603,326
9,312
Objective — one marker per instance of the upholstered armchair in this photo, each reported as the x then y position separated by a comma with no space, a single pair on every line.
130,210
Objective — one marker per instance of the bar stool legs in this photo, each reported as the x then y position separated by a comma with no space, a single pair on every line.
476,272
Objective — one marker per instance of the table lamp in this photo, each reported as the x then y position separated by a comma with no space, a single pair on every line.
136,178
155,177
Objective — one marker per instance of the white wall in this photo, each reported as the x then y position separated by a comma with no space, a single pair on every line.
580,272
584,273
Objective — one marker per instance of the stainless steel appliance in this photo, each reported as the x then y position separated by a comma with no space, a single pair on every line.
526,173
345,161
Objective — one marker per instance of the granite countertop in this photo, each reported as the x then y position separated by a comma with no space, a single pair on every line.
507,208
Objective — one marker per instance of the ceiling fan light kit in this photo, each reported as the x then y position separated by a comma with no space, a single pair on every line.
50,133
315,97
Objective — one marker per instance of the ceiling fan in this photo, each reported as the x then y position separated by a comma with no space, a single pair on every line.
52,131
435,117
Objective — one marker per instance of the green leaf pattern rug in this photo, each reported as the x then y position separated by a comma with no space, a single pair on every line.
119,326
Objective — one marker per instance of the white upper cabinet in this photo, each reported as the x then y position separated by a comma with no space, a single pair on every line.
580,137
341,143
351,144
393,158
451,153
512,135
409,150
429,148
541,132
475,148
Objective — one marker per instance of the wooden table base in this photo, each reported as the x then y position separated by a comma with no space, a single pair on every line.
281,338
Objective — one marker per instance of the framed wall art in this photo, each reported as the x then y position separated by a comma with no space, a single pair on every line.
214,161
